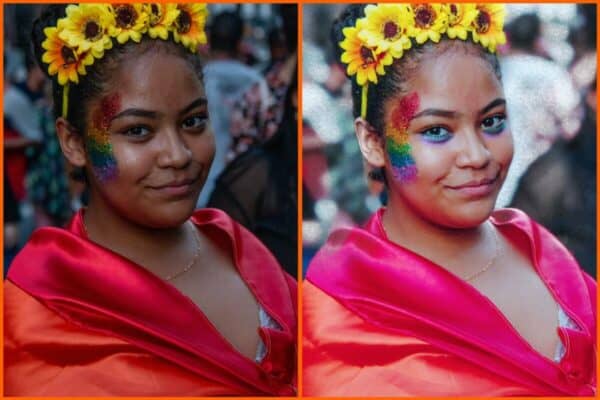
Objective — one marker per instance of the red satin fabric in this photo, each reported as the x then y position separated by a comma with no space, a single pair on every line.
82,320
383,321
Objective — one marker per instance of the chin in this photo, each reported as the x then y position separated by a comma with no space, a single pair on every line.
168,215
468,216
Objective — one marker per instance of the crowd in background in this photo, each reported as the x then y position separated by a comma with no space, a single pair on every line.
250,81
549,77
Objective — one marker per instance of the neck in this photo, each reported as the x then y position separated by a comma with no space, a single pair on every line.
146,246
456,249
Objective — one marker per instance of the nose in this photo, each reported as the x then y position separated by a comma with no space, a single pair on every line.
174,151
474,152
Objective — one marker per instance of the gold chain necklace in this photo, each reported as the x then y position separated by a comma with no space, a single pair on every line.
192,261
490,263
481,271
177,274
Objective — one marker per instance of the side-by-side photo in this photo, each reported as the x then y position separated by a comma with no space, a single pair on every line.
150,200
449,200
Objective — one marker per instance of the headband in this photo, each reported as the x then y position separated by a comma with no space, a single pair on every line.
88,30
388,30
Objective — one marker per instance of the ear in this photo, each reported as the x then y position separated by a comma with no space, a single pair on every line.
371,143
71,142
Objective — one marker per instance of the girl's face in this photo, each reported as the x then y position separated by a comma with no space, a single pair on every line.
448,145
148,144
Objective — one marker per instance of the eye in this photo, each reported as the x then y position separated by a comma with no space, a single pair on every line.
137,132
494,125
195,122
436,134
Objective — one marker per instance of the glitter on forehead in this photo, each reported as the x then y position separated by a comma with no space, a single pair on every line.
98,139
398,148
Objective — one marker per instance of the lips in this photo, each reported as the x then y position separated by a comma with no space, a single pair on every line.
177,187
175,183
477,187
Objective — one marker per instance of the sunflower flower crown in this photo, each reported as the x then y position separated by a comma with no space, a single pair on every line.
388,30
88,30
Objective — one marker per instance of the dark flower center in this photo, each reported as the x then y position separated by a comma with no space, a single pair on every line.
68,55
483,22
155,14
424,16
390,30
184,22
126,16
453,9
91,30
367,55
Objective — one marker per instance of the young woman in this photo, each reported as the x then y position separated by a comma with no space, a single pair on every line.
439,295
140,295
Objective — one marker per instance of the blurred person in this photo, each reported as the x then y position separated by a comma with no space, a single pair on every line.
583,38
139,294
14,189
226,80
438,294
559,189
21,102
256,115
543,102
259,188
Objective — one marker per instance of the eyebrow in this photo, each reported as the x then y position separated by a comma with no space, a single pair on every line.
453,114
137,112
200,101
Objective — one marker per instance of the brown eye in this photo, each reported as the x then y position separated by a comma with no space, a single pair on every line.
137,132
195,122
494,125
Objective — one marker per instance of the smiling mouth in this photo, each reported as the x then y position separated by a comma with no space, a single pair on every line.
177,188
477,188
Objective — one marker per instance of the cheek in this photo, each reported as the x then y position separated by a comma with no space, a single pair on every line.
501,147
203,147
434,160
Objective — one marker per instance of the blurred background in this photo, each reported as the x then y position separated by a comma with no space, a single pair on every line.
250,78
549,77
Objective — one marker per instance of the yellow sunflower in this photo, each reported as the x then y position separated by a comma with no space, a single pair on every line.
430,22
460,17
386,28
189,25
62,59
160,19
364,61
130,22
86,28
487,25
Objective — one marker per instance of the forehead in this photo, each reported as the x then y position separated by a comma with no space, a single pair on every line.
156,80
455,81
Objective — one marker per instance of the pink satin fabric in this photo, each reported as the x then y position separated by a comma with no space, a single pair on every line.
112,299
405,298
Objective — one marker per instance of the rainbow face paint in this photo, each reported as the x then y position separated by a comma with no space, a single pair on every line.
98,143
398,148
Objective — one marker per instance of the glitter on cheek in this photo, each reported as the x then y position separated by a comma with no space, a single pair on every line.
398,148
98,143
